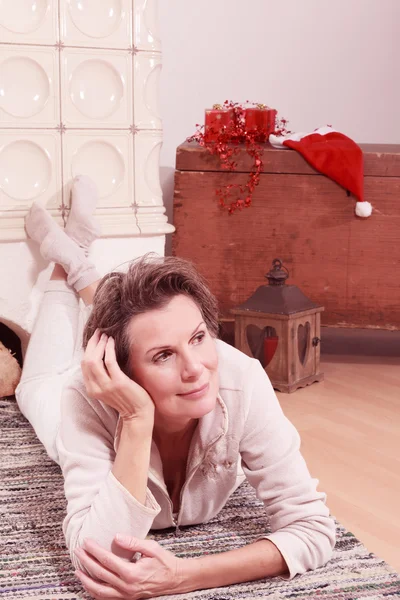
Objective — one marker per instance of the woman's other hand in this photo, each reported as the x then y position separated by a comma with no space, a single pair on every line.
105,381
157,573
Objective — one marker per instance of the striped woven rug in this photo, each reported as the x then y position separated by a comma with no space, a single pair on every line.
34,562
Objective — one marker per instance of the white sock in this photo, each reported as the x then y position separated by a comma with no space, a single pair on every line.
57,247
81,225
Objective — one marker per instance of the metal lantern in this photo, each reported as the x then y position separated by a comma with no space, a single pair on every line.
281,327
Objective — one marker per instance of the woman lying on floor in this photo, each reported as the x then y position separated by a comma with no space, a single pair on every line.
159,424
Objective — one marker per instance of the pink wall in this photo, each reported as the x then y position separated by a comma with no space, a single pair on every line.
317,61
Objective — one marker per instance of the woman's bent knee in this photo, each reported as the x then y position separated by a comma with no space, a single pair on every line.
39,401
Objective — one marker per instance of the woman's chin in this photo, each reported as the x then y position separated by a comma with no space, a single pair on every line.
202,411
199,408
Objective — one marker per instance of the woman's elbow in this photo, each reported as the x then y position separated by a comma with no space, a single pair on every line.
323,542
73,541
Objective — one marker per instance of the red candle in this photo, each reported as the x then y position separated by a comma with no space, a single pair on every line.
270,345
218,120
260,121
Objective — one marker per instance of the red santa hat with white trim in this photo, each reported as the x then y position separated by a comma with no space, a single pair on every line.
333,154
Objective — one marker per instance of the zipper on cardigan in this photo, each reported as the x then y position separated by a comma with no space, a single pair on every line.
189,477
175,522
162,488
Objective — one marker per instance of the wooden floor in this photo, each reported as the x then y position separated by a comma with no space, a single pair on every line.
350,430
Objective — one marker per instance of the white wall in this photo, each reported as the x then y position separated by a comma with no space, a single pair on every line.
317,61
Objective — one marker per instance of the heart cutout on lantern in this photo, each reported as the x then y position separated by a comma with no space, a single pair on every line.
303,336
262,343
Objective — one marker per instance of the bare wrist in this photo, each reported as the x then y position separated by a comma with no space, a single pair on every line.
141,423
187,576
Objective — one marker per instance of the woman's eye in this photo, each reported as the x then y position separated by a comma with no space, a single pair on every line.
199,337
162,357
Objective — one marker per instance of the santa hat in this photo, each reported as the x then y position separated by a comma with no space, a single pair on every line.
333,154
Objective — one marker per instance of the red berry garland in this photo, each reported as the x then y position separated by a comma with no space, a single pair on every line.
225,144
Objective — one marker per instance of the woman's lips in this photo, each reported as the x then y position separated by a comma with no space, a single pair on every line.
197,393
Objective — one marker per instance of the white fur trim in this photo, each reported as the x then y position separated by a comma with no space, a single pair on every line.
277,140
323,130
363,209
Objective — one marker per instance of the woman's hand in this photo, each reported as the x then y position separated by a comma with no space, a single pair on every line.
105,381
158,572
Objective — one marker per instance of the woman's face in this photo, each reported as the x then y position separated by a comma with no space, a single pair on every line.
174,358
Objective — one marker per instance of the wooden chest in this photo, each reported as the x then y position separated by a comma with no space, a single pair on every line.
348,264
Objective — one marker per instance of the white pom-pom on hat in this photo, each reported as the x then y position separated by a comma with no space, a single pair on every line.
363,209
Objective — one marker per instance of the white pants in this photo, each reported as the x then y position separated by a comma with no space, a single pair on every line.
53,355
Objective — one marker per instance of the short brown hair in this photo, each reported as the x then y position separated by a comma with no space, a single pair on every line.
149,283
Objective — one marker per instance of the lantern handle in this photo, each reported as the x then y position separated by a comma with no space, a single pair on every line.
278,264
277,275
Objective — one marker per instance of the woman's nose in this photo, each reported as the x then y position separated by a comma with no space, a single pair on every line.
191,368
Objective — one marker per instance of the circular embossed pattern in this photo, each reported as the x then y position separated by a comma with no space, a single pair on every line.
151,171
25,170
151,92
23,16
146,27
103,162
95,18
96,89
24,87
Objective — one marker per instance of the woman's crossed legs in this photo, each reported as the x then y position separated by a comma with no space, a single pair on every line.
54,350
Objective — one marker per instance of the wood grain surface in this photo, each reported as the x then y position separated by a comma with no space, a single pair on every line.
382,160
349,426
349,265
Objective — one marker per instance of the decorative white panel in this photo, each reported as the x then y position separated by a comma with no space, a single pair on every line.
97,88
146,32
147,71
150,210
147,153
79,94
96,23
29,86
28,22
107,157
30,169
